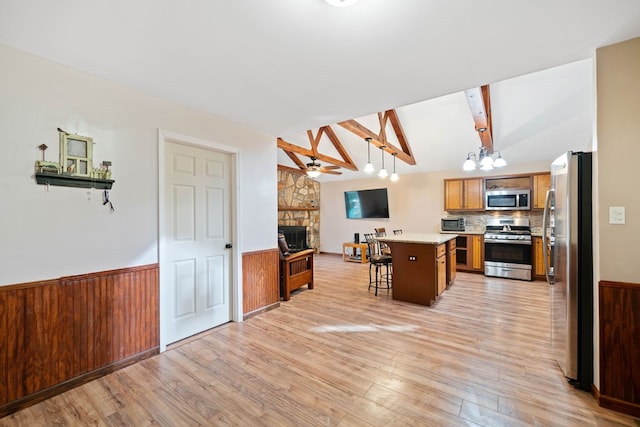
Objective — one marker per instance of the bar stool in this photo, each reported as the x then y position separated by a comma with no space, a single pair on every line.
378,260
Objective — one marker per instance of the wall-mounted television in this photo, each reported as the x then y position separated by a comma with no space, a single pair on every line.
367,203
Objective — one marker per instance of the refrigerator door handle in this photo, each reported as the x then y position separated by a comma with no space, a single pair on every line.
545,238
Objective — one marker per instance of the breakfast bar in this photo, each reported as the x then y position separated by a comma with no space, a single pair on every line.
421,262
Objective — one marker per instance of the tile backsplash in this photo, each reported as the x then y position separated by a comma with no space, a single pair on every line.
476,222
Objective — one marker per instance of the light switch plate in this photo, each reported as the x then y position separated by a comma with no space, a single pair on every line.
616,215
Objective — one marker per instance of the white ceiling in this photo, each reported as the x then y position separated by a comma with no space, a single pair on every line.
285,66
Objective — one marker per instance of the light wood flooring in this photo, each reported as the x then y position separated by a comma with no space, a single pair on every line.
338,355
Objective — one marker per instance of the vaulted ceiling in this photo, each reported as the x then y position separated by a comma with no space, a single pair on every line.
290,68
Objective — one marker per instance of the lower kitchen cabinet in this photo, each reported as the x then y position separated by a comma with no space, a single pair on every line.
538,260
441,266
451,260
470,252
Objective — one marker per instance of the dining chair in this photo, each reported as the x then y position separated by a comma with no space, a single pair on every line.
377,260
384,248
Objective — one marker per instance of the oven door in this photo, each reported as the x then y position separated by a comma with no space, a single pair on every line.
510,259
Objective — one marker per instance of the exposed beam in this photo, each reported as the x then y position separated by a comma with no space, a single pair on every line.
399,131
363,132
479,102
338,146
288,147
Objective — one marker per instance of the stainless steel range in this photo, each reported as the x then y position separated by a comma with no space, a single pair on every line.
507,248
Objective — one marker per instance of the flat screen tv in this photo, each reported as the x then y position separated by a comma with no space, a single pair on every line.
367,203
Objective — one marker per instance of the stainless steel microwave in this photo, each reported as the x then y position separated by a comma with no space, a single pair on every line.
503,200
452,224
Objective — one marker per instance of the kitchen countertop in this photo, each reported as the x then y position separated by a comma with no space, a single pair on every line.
426,238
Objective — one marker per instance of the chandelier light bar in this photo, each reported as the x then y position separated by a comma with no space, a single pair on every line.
484,160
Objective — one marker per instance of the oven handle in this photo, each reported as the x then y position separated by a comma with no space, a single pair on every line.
509,242
545,238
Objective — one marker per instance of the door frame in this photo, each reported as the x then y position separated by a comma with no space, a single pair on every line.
165,137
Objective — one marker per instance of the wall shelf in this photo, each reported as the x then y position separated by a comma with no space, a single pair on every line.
297,209
44,178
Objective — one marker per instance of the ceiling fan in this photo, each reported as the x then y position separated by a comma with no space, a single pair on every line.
314,169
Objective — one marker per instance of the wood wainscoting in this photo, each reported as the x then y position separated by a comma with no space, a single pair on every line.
260,281
58,334
620,346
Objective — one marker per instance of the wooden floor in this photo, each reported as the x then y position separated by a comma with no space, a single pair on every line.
338,355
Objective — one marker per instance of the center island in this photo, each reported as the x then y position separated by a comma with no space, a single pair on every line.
424,264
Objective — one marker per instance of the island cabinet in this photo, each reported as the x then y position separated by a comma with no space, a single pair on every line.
463,194
541,184
470,252
451,260
419,266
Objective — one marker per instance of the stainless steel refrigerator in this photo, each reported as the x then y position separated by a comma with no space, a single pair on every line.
567,234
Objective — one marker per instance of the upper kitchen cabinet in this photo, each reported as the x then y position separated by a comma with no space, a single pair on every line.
541,184
463,194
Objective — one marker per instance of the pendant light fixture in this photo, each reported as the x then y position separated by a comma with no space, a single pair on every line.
383,172
484,160
394,175
368,168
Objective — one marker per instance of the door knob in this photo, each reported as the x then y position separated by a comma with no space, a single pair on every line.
228,246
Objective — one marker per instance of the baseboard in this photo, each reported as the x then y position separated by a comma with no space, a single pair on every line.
261,310
619,405
47,393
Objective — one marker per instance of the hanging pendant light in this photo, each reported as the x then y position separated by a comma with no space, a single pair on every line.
383,172
394,175
368,168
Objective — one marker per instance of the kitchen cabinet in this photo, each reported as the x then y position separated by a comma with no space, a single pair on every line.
463,194
470,252
451,260
538,260
441,261
419,266
541,183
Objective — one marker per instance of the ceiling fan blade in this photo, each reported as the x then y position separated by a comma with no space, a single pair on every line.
332,167
330,172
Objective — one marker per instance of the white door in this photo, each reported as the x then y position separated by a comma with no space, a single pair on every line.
195,265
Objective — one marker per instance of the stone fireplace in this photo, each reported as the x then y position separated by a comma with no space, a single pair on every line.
299,204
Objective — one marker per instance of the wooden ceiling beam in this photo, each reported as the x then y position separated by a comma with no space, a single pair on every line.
399,131
479,102
363,132
288,147
338,146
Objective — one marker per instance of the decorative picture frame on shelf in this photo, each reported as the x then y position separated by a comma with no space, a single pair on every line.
76,165
76,154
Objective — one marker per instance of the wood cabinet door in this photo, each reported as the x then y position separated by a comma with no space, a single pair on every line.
453,194
538,262
442,274
541,183
473,194
477,254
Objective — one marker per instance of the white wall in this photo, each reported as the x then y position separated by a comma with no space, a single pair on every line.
66,231
416,203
